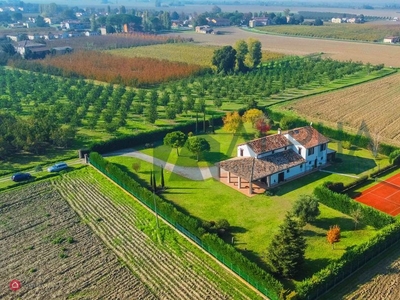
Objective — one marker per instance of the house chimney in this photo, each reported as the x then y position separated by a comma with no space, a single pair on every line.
279,131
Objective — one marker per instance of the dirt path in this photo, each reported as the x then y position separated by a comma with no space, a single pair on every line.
340,50
193,173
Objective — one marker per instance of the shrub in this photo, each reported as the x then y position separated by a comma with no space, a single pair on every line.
306,208
336,187
346,144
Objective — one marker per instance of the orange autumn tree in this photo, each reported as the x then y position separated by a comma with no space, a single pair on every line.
333,235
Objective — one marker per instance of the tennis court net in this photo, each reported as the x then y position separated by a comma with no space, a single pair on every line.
387,183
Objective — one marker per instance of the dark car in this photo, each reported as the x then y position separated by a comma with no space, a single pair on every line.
21,177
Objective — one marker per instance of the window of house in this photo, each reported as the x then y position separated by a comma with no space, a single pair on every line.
241,152
301,166
322,158
323,147
311,151
300,151
273,151
309,163
287,171
286,148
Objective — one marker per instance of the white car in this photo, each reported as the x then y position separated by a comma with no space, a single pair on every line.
58,167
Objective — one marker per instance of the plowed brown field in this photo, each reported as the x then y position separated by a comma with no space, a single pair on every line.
339,50
372,107
44,245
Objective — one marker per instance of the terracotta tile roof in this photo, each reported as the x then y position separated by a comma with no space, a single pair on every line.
278,162
308,136
268,143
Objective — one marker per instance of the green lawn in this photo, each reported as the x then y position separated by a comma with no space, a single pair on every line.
222,144
255,220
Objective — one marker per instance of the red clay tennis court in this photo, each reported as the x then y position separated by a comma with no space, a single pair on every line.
385,196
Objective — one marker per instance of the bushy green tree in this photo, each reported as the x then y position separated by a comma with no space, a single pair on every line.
306,208
197,145
254,52
224,59
175,139
241,52
287,248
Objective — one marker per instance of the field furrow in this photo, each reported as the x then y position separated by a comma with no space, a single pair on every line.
60,257
170,269
160,269
375,104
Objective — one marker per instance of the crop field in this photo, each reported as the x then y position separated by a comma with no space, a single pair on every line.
371,107
378,279
190,53
168,264
339,50
53,254
134,71
367,32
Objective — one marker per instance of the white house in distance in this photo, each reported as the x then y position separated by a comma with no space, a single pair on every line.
276,158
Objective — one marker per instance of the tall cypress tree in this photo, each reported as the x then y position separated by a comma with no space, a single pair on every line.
162,177
287,248
154,182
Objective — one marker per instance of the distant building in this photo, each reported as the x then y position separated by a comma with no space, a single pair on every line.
337,20
204,29
29,49
259,22
391,39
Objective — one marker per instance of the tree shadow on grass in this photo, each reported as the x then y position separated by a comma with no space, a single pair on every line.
133,175
312,266
345,224
300,182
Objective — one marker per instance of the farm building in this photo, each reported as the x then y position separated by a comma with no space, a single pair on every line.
204,29
259,22
391,39
274,159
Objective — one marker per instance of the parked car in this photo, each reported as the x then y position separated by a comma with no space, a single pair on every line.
58,167
21,177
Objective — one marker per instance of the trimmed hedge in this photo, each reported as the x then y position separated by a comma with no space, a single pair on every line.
142,138
337,134
227,254
354,258
383,170
355,183
346,205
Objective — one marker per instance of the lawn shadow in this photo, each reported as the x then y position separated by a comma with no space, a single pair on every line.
133,175
311,266
352,164
298,183
345,224
311,233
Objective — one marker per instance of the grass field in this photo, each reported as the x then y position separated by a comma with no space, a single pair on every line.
211,200
190,53
371,107
368,32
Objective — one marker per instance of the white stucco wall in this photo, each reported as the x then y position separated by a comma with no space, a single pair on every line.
247,151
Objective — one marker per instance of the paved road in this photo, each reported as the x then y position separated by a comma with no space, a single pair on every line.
193,173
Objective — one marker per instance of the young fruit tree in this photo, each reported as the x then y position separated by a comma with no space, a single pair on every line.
306,208
197,145
175,139
287,248
232,122
333,235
